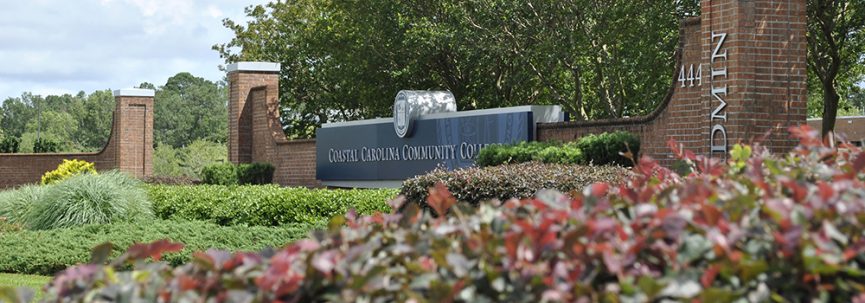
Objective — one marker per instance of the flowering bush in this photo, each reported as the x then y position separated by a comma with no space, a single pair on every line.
757,228
67,169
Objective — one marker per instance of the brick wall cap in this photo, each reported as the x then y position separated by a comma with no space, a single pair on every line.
134,92
253,67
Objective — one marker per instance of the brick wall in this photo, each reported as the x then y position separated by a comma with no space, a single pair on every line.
765,82
255,132
129,148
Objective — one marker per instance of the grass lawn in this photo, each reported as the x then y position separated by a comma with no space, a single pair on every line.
33,282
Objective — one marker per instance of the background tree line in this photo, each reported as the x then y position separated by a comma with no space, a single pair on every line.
344,59
190,122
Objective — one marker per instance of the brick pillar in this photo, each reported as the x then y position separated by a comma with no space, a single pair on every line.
132,133
754,59
248,123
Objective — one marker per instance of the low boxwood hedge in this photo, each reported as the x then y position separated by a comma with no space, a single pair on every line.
48,252
474,185
263,205
602,149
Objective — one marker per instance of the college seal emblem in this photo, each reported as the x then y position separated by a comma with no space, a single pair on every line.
402,118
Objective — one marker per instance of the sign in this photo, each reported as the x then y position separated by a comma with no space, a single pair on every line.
718,115
361,153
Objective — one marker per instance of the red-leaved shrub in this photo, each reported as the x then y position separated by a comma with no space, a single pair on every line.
759,227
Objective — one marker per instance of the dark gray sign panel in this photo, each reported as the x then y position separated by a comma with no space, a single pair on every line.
372,151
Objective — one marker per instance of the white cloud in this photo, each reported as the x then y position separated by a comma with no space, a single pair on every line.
59,46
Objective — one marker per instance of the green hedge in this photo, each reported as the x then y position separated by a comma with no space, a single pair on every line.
474,185
9,145
234,174
545,152
48,252
604,149
263,205
600,149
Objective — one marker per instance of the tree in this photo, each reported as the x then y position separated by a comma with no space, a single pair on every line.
345,60
16,113
836,43
188,108
93,114
57,127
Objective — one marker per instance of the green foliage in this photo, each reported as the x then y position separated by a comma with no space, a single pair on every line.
188,161
606,148
783,229
45,145
68,169
9,145
220,174
603,149
503,182
189,108
15,205
255,173
89,199
238,174
836,54
267,205
51,251
521,152
575,53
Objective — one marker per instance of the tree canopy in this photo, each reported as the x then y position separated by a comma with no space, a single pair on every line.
345,60
836,53
187,108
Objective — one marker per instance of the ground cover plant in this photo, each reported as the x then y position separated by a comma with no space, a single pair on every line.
522,180
758,228
51,251
262,205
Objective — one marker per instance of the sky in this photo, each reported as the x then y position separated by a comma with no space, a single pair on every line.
66,46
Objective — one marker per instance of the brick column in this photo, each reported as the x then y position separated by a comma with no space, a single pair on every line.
132,133
754,59
249,80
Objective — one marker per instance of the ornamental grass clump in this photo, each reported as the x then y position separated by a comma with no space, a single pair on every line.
90,199
756,228
15,205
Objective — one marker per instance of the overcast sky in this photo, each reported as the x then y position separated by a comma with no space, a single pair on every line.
66,46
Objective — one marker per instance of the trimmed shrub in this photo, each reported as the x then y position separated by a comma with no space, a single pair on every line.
255,173
565,154
68,169
9,145
605,149
48,252
474,185
238,174
761,229
263,205
43,145
90,199
600,149
219,174
498,154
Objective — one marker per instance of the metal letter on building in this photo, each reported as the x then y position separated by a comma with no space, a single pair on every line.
718,130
